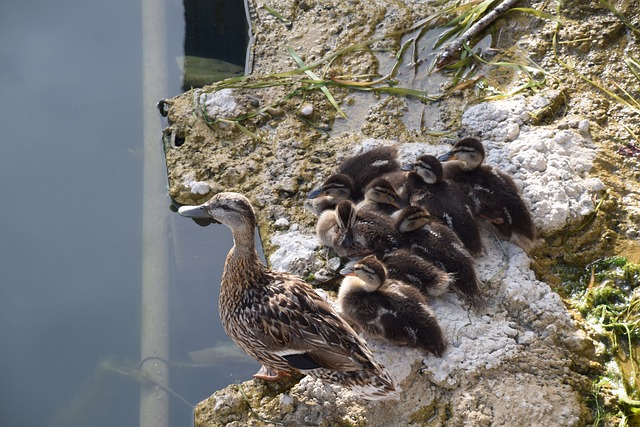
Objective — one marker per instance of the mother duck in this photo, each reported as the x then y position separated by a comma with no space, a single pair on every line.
279,319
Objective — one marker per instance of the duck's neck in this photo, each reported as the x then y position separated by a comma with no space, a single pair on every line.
349,284
452,168
243,266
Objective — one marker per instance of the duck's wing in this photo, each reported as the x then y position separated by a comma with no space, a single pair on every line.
299,326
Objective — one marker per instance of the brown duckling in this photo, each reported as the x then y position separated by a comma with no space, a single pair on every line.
495,194
334,189
380,197
354,234
439,244
408,267
327,228
279,319
357,171
388,309
368,232
369,165
444,200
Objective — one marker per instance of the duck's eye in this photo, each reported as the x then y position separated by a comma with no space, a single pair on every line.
367,270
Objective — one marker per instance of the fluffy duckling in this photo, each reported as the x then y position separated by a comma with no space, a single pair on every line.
380,197
334,189
327,228
439,244
279,319
444,200
334,228
357,171
388,309
495,194
412,269
363,233
369,165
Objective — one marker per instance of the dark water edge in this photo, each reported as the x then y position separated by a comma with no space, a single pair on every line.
70,249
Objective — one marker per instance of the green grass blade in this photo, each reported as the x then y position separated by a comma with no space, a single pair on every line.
535,12
322,86
277,14
633,65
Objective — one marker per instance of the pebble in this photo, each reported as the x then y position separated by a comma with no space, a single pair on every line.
306,110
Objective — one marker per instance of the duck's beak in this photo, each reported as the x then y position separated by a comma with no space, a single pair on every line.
393,202
347,271
407,167
313,194
194,211
448,156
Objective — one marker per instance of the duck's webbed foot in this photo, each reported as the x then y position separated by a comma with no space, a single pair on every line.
268,374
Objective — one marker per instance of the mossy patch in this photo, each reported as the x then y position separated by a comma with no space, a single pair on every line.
606,293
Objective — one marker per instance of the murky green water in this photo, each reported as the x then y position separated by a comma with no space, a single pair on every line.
70,241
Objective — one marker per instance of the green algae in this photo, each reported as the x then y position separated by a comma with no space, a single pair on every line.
428,414
606,292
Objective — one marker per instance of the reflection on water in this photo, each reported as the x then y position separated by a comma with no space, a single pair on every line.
70,249
212,29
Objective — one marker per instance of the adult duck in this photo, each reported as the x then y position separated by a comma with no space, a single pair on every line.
388,309
279,319
495,194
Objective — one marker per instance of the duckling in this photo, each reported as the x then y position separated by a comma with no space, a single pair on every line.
380,197
334,227
327,228
335,188
414,270
363,233
388,309
369,165
495,194
279,319
439,244
444,200
357,171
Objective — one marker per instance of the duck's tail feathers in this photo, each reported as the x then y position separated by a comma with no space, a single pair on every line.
374,385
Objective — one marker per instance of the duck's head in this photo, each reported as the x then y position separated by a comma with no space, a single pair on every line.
369,270
338,187
469,151
381,191
427,167
411,218
231,209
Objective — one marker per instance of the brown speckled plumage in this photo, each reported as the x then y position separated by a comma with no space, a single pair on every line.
280,320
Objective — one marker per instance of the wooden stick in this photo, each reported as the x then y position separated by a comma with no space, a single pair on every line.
450,48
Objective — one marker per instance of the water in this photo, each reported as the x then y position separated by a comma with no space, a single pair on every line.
70,240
